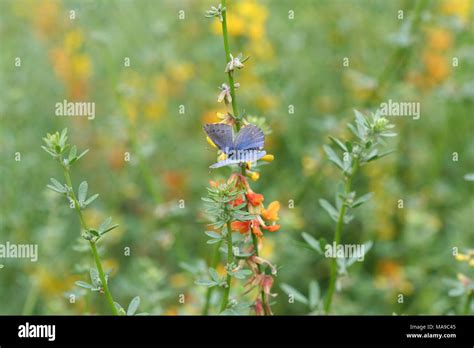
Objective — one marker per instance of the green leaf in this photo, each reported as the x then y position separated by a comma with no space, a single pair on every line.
362,199
57,184
456,291
312,242
242,273
48,151
53,188
214,275
82,192
94,274
339,144
63,138
133,306
119,308
333,213
469,177
109,229
204,282
333,156
349,146
291,291
314,294
90,199
213,241
360,119
84,285
72,153
213,234
104,225
81,155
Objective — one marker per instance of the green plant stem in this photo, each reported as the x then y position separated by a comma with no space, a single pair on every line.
337,239
31,298
230,260
214,261
103,280
236,115
467,305
262,293
227,56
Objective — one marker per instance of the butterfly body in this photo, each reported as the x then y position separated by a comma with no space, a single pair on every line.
246,146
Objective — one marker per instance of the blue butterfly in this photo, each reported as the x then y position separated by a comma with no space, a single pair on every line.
246,146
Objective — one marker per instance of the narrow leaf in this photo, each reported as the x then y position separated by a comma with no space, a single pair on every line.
82,192
291,291
312,242
91,199
133,306
333,213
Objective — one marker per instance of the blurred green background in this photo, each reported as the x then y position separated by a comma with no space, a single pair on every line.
177,62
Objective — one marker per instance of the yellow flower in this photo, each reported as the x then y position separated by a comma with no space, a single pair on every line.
253,175
210,142
458,8
268,158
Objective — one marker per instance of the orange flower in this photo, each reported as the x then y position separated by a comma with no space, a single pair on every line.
240,226
254,198
271,213
272,228
256,228
215,184
237,201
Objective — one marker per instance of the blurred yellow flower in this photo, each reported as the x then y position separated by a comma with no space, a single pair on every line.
53,283
178,280
267,249
247,19
458,8
181,72
81,66
391,275
45,17
468,257
309,164
212,116
73,40
436,67
439,39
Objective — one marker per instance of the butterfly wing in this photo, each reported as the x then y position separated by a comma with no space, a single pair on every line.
221,134
250,137
225,162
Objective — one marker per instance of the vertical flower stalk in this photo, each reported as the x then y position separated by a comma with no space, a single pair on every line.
56,145
364,149
232,205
